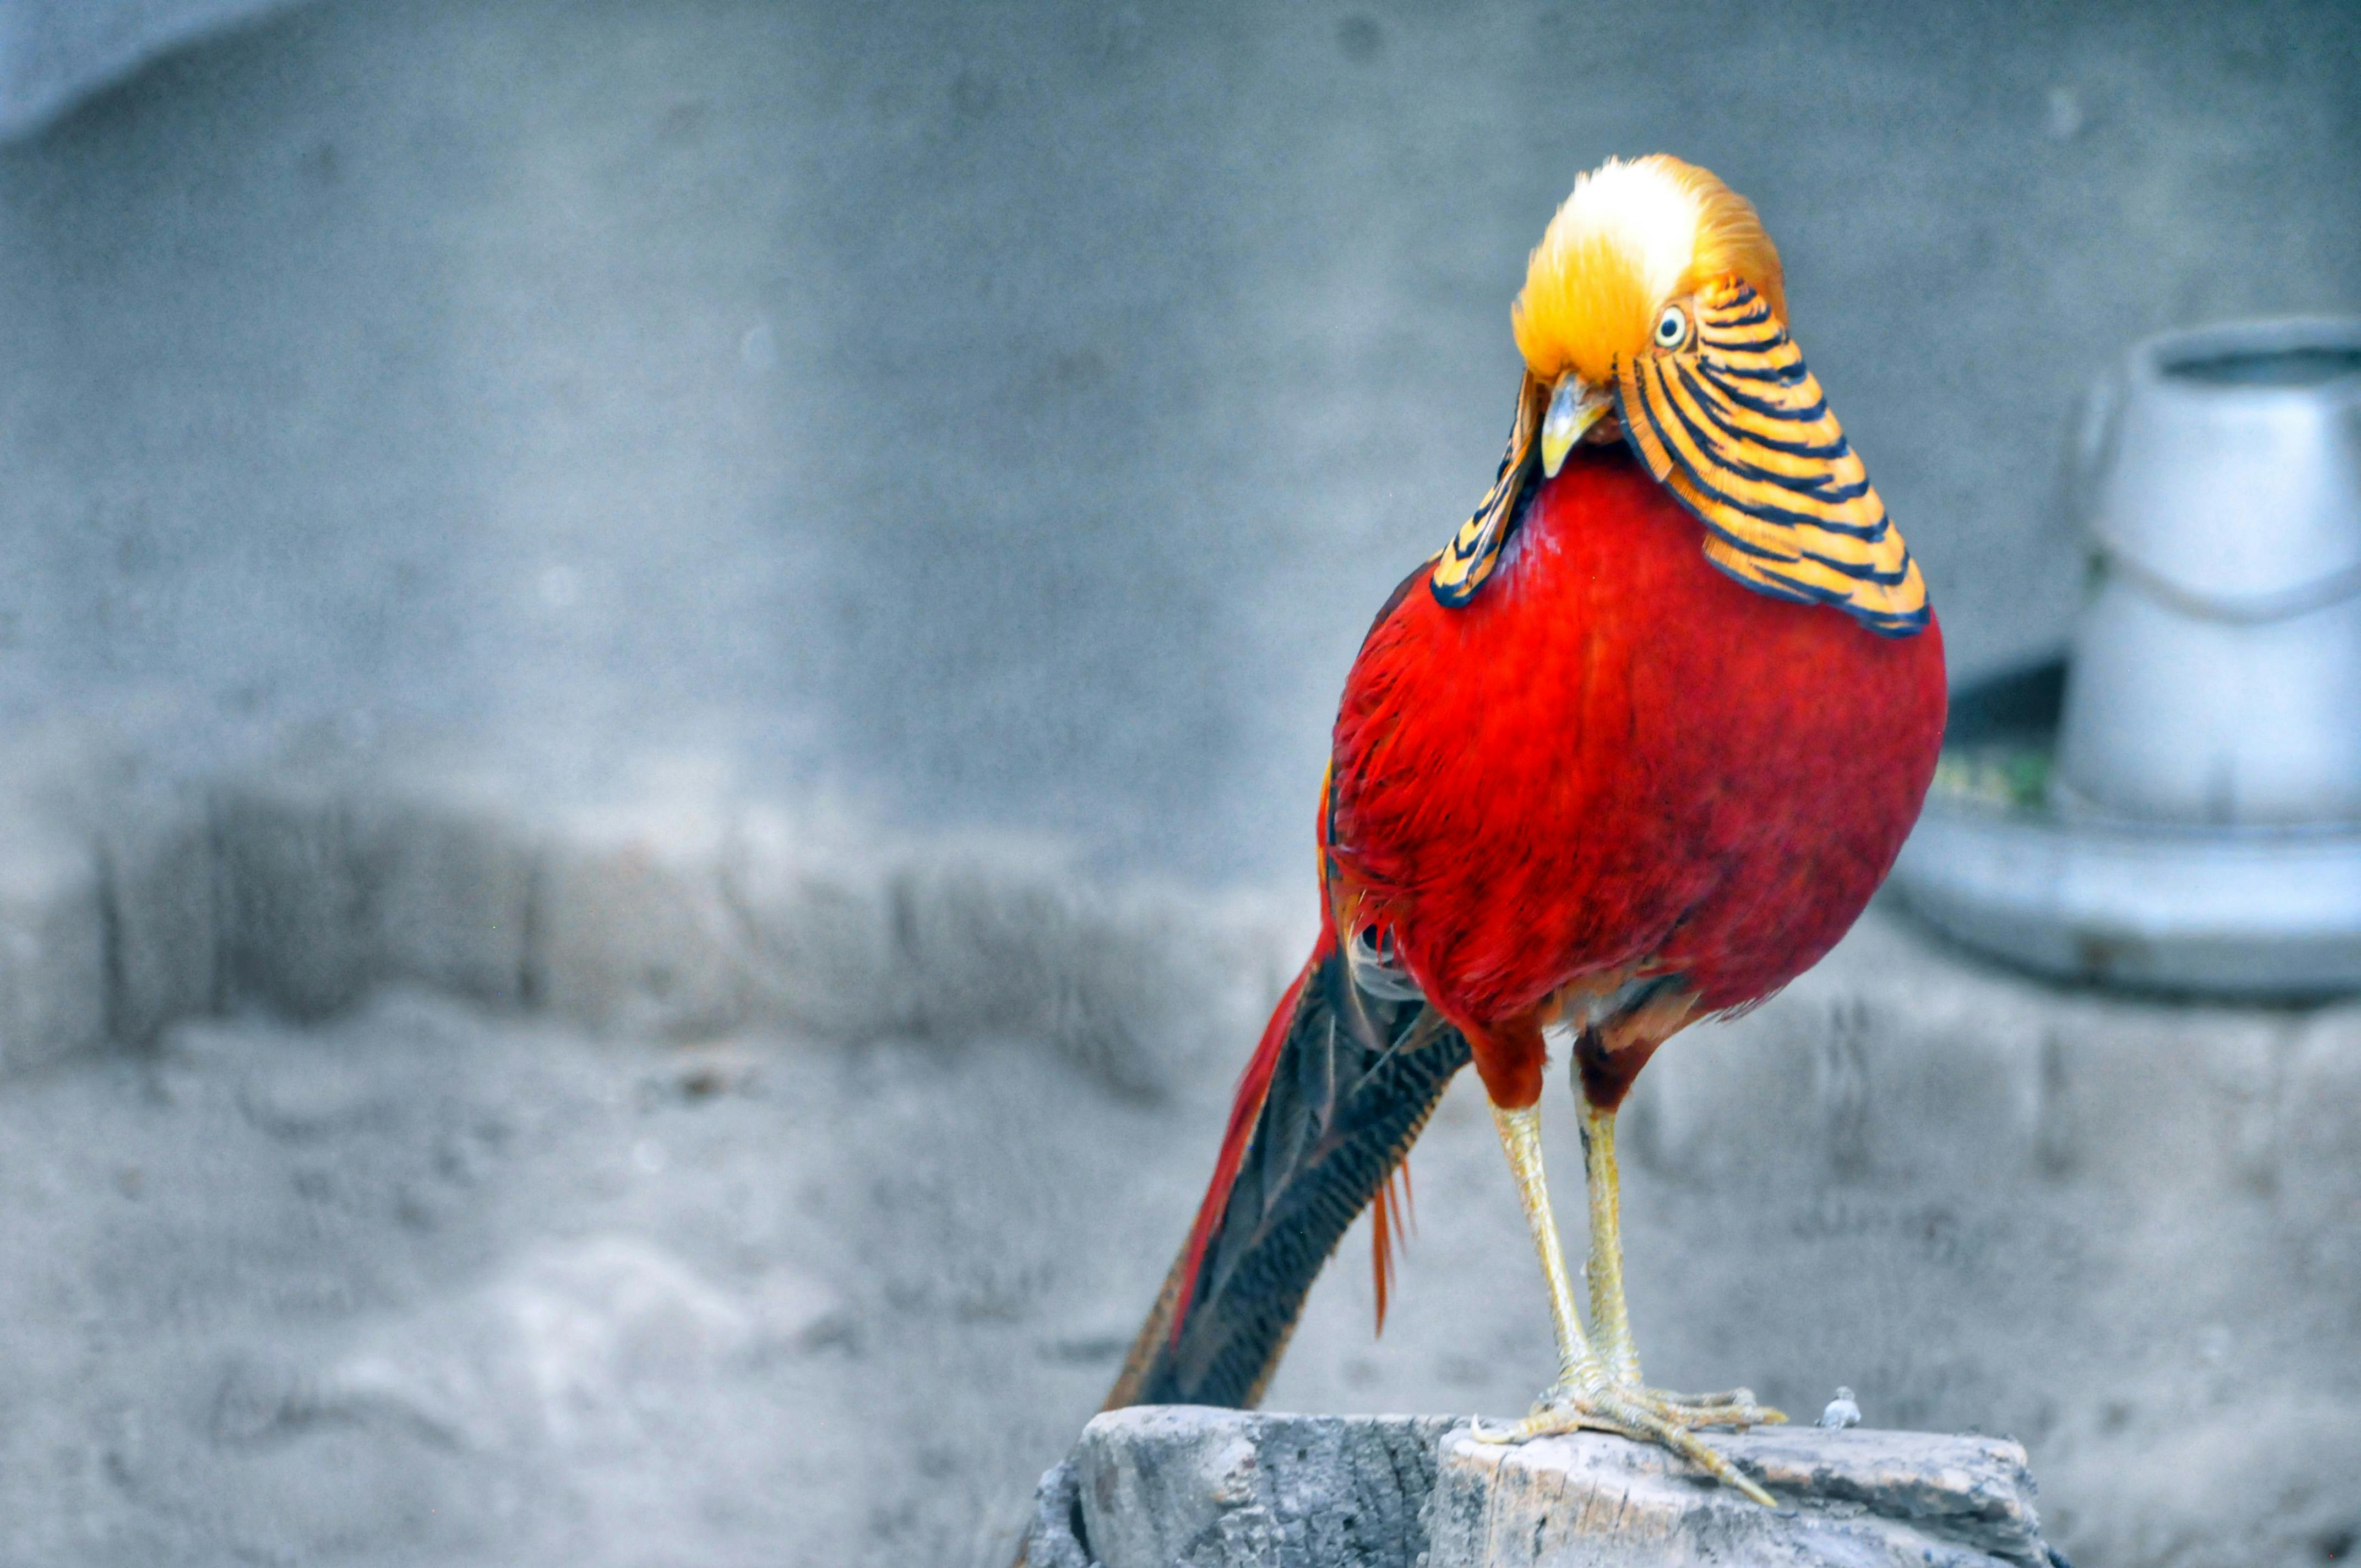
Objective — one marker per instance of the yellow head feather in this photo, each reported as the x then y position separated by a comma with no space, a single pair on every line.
1633,236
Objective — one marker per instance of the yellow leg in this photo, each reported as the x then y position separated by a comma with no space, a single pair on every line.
1585,1396
1604,1269
1520,1136
1611,1318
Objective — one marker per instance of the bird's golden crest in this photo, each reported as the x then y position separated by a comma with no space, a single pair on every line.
1655,282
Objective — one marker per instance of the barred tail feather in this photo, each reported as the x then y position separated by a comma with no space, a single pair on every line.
1339,1086
1254,1086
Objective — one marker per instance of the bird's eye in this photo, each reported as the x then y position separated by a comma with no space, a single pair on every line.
1672,328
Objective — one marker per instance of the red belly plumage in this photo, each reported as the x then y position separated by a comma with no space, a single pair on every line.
1616,759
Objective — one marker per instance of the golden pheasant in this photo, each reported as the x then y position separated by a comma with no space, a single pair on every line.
1634,749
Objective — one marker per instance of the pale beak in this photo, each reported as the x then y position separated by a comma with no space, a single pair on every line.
1574,408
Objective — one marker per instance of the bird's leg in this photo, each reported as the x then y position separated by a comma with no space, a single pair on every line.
1585,1396
1579,1369
1604,1269
1609,1314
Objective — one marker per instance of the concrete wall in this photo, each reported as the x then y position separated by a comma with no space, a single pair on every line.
54,53
1013,413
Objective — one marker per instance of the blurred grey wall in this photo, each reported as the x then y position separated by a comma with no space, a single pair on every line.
1014,413
54,53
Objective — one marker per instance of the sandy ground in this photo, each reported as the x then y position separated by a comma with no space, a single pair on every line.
426,1283
426,1286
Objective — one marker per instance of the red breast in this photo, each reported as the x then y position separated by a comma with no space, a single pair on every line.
1616,755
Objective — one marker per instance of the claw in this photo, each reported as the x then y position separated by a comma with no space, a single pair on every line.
1686,1444
1482,1433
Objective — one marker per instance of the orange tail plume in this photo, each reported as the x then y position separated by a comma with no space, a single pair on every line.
1392,1215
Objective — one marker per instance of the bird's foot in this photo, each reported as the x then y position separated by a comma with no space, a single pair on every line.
1646,1415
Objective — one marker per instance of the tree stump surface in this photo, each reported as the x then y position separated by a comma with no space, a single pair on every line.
1179,1487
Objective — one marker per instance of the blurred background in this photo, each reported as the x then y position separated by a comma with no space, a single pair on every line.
994,421
1014,414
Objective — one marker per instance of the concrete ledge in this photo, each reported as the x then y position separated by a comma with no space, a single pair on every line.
53,951
129,902
1174,1486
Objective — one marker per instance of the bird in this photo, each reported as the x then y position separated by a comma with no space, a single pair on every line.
1630,751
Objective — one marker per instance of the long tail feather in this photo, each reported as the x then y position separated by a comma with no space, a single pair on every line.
1339,1086
1246,1105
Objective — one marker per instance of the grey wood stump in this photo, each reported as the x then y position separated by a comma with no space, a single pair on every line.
1178,1487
